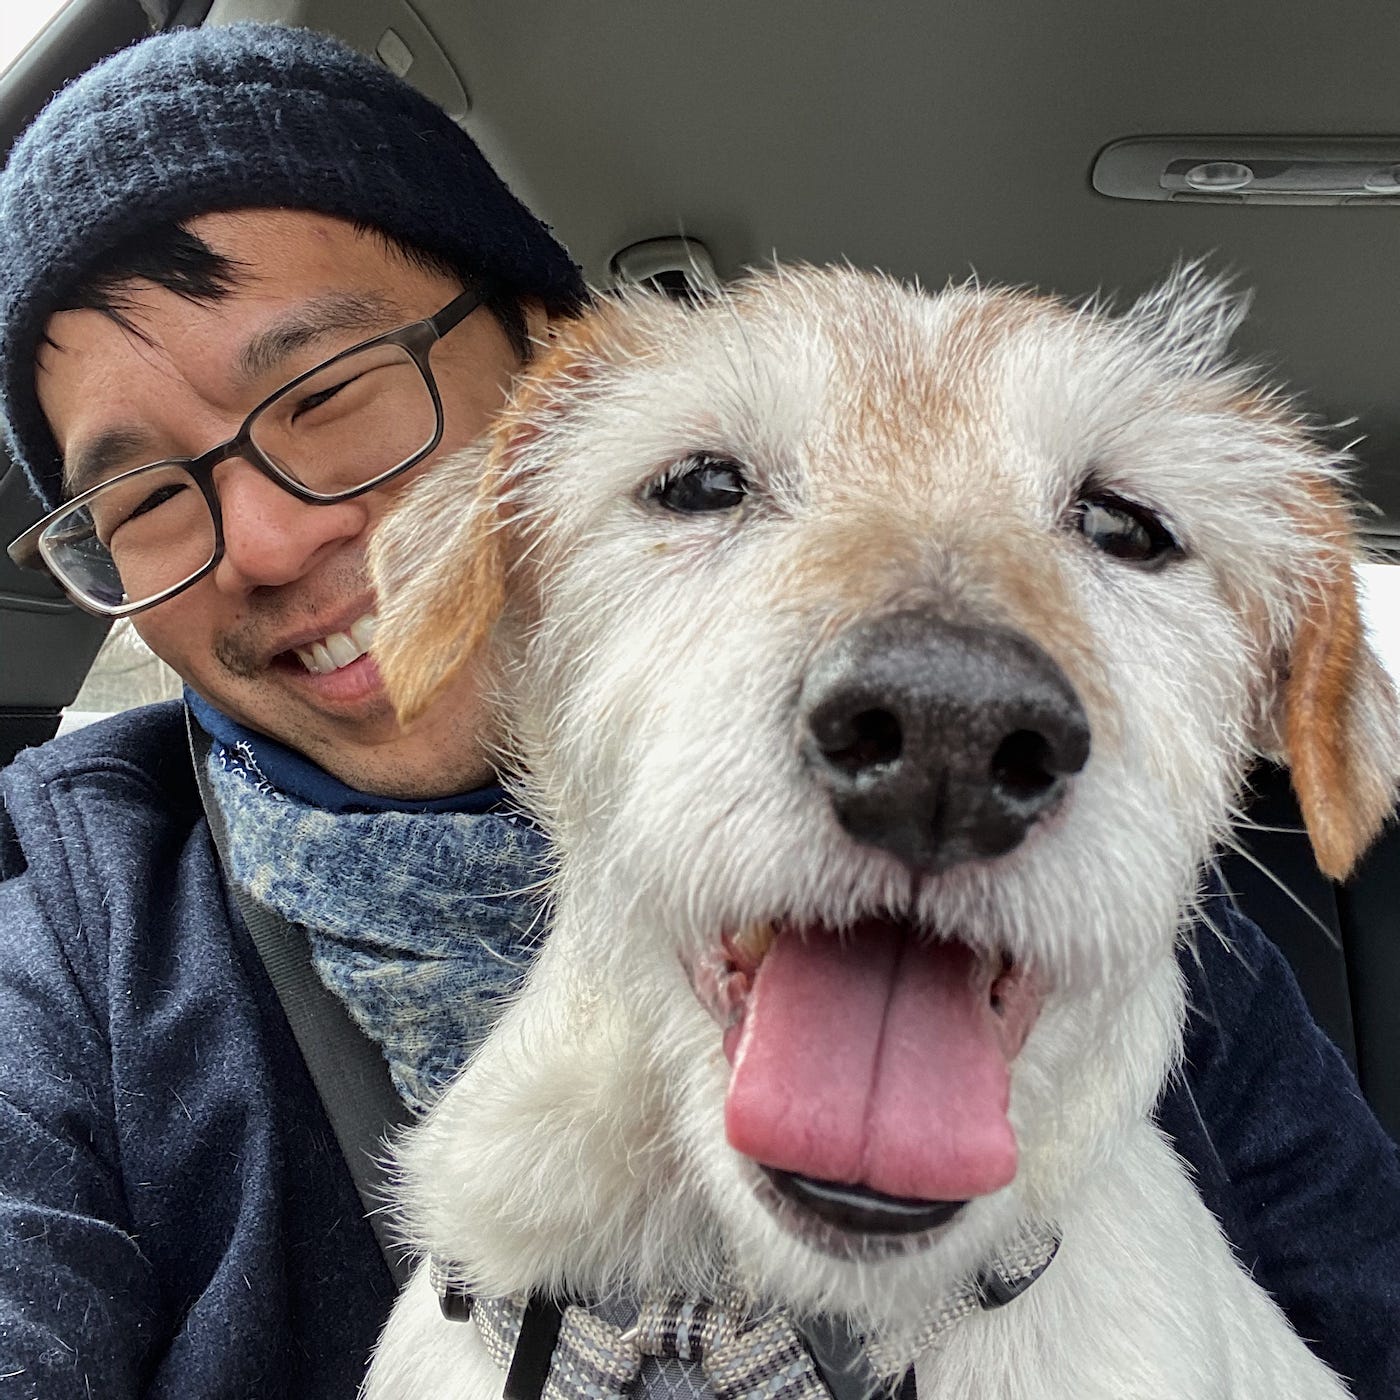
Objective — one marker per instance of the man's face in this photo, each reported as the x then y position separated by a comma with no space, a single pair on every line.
292,574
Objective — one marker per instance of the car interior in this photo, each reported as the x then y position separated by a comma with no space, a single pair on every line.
1080,147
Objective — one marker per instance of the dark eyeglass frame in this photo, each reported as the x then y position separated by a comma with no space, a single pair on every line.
417,338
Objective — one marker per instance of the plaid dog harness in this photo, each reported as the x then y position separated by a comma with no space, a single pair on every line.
689,1349
710,1349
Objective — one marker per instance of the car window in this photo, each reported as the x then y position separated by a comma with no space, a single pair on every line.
126,673
1381,608
20,22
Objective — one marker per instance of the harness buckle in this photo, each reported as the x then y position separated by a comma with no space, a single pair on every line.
453,1299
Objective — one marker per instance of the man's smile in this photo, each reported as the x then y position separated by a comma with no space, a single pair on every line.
337,649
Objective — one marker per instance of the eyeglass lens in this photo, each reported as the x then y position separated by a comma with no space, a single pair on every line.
350,421
346,425
142,535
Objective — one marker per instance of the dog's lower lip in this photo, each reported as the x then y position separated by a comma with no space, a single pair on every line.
860,1210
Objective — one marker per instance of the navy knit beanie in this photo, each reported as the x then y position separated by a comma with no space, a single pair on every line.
233,117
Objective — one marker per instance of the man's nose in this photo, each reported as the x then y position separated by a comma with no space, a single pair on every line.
271,537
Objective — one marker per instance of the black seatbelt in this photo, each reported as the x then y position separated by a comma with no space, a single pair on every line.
346,1066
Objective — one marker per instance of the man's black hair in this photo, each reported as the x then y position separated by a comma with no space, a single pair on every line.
172,257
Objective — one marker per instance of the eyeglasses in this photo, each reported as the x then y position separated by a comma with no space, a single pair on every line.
343,428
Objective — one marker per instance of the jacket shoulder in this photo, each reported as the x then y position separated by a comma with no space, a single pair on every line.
147,746
90,804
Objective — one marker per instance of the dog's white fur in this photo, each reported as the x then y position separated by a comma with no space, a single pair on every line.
904,451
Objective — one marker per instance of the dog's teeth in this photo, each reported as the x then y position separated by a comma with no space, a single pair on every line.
754,940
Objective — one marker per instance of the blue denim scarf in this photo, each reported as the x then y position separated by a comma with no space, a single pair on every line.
423,922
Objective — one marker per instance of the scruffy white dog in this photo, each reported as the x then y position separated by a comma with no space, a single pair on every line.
884,668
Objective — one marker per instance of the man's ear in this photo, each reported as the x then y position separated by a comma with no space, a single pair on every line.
437,563
1340,715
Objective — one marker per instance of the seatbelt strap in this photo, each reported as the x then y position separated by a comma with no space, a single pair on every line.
346,1066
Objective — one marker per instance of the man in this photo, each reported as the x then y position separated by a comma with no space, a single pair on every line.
182,239
191,231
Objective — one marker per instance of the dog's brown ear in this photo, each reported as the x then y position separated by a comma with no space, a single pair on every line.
1340,715
440,558
438,568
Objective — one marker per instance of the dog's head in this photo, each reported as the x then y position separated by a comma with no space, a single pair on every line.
885,667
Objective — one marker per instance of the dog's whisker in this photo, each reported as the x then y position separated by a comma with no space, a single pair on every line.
1246,824
1246,854
1201,915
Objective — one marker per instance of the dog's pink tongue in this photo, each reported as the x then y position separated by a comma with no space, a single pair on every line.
875,1060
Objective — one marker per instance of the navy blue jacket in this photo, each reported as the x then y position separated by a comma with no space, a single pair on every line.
175,1220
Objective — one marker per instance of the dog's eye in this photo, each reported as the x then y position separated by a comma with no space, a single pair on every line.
1125,530
700,484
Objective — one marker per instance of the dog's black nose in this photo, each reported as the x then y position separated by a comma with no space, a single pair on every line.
936,742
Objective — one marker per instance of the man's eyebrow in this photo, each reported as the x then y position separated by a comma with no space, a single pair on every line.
271,347
87,464
363,312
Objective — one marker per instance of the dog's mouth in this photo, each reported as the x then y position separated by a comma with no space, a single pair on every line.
859,1210
870,1069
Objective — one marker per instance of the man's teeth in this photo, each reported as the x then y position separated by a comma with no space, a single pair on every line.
339,649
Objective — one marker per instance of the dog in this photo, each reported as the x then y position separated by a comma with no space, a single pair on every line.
884,668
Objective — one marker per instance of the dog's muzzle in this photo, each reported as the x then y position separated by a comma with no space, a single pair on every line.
937,742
